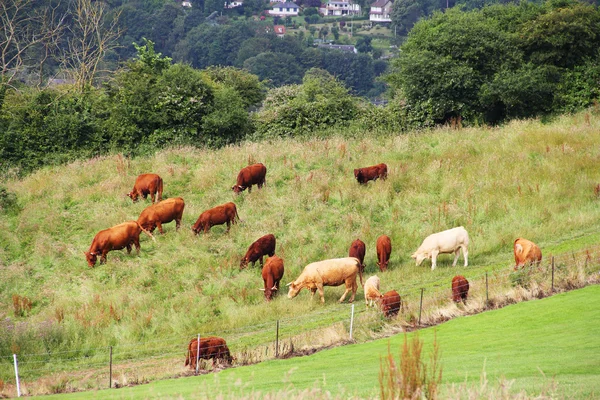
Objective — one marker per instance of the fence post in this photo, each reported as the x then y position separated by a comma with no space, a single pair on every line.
351,321
421,306
553,273
277,341
487,295
198,354
110,368
17,376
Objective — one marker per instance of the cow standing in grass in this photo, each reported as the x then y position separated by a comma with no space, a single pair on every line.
366,174
161,213
272,273
460,289
334,272
251,175
147,184
390,303
358,250
219,215
384,249
448,241
526,252
265,245
116,238
211,347
372,293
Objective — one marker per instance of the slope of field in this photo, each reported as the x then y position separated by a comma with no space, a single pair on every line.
526,179
543,345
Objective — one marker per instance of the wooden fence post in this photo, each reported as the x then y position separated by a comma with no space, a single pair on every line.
421,306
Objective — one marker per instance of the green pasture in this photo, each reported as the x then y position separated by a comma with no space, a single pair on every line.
526,179
549,345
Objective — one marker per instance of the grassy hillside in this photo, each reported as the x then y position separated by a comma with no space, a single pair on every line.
525,179
541,346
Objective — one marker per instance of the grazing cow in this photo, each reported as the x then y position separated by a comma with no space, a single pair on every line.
147,184
332,272
357,250
248,176
526,252
384,249
210,347
460,289
448,241
390,303
364,175
272,273
116,238
372,290
161,213
219,215
265,245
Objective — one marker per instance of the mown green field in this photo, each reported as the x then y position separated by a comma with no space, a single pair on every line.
544,346
526,179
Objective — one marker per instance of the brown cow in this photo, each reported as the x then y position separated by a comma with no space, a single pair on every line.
384,249
248,176
116,238
265,245
390,303
147,184
364,175
225,213
357,250
161,213
460,289
526,252
272,273
210,347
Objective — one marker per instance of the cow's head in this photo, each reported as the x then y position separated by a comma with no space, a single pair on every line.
133,195
269,293
243,263
294,289
238,188
419,257
196,228
91,258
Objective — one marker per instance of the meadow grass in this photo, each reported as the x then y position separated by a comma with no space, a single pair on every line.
546,347
526,179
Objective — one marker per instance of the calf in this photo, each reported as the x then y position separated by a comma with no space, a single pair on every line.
116,238
448,241
264,245
460,289
357,250
251,175
390,303
210,347
147,184
161,213
384,249
272,273
364,175
219,215
526,252
372,290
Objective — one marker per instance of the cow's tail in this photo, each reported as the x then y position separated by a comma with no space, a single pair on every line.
146,232
160,188
360,273
187,358
237,216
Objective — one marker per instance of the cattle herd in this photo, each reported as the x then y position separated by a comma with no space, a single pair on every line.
316,275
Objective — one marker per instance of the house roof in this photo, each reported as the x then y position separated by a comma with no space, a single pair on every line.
380,3
343,47
279,29
287,4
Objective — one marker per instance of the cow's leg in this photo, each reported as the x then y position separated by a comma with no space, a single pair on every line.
128,248
354,287
228,225
152,197
434,255
250,188
261,261
312,293
177,224
136,242
348,288
103,256
465,254
456,253
159,226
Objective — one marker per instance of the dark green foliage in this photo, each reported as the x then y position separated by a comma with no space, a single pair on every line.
278,68
498,63
247,85
320,102
8,202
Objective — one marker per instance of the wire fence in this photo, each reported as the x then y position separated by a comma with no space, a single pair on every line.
419,306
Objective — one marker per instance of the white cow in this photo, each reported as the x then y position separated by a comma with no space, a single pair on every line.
449,241
372,290
334,272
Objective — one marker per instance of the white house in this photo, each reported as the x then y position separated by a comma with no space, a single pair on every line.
187,4
284,9
234,4
339,8
381,11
